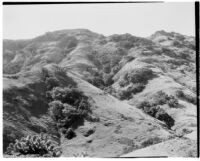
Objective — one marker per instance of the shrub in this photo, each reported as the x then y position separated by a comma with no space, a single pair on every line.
162,98
163,116
129,58
151,110
128,93
37,144
71,96
140,75
143,104
55,110
172,102
97,82
9,136
66,115
72,116
151,141
69,106
51,82
180,94
70,134
107,78
63,130
156,112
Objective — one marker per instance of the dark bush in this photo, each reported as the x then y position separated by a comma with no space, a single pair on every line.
107,78
180,94
162,98
129,58
151,110
55,110
63,130
69,106
97,82
143,104
71,96
70,134
130,91
172,102
163,116
151,141
156,112
10,134
51,82
140,75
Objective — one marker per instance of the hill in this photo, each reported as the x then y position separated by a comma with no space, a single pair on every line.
116,94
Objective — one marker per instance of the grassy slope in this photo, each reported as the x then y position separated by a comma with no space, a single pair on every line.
121,128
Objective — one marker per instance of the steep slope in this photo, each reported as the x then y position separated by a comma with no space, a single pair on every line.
120,129
141,90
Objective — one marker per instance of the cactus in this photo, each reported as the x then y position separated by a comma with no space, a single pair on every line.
37,144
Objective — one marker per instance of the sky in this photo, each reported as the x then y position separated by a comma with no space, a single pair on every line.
139,19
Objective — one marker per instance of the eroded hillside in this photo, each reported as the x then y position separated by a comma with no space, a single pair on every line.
102,96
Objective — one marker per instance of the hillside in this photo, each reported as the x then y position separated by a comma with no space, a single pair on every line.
119,95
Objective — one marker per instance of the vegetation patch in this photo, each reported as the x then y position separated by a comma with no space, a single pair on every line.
38,145
151,141
139,75
180,94
156,112
130,91
68,108
161,98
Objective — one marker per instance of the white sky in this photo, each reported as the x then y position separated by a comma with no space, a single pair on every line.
28,21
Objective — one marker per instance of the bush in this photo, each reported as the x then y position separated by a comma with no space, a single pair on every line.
69,106
140,75
163,116
51,82
156,112
180,94
70,134
162,98
130,91
107,78
55,110
172,102
66,115
71,96
37,145
151,141
97,82
143,104
151,110
9,136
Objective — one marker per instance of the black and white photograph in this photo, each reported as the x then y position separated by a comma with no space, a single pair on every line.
100,80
